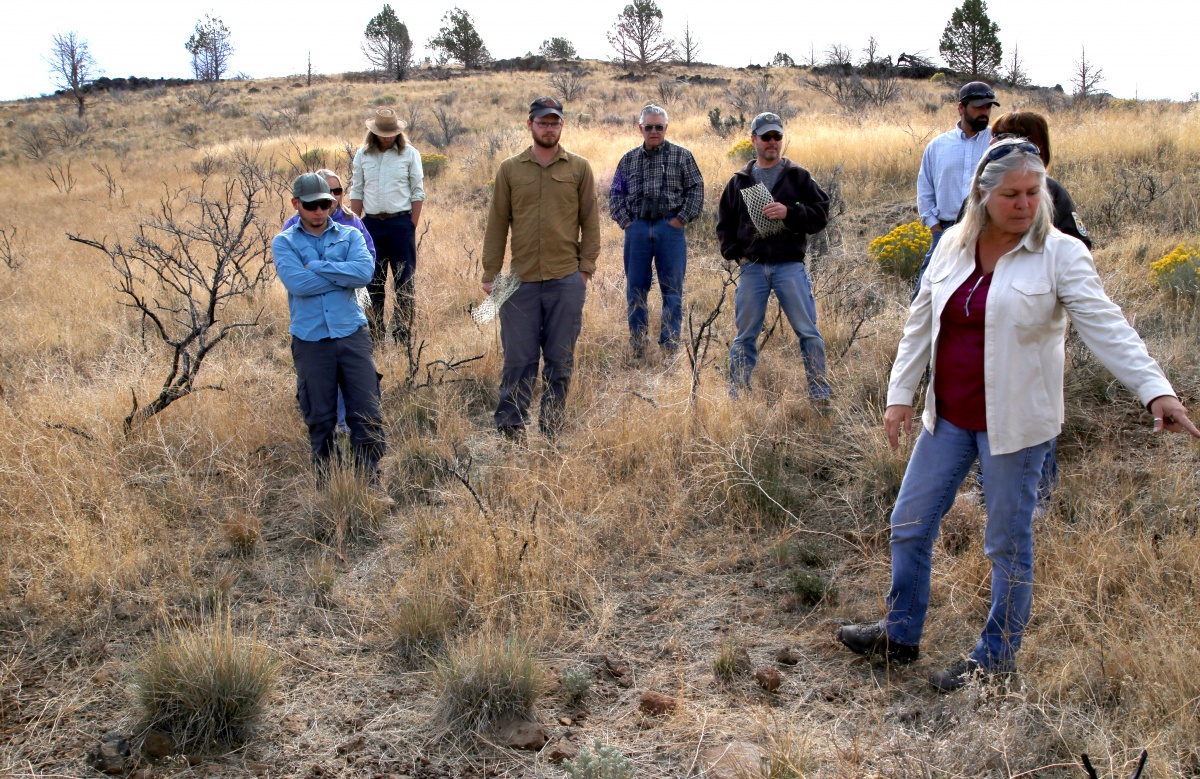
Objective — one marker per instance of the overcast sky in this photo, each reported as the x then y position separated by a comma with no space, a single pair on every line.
1146,49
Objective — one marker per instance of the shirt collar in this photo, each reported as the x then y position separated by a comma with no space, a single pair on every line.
527,156
657,150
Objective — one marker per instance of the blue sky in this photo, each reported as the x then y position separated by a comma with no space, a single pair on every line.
1146,49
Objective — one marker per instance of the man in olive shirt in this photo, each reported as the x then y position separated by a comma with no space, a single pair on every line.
546,196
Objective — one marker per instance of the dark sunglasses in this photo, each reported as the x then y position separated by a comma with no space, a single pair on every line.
771,136
317,205
337,192
654,128
1000,152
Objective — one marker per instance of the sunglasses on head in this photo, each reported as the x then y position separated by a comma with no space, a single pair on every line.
654,128
999,152
317,205
336,191
771,136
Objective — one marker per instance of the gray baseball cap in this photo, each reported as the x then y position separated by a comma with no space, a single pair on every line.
309,188
765,123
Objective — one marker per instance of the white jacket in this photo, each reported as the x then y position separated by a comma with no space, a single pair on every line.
387,182
1032,291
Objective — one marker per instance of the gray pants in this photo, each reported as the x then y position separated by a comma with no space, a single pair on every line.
542,318
321,368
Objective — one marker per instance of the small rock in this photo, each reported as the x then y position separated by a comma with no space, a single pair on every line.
353,745
768,678
787,656
616,667
655,703
158,744
111,755
561,750
295,723
521,734
566,722
732,761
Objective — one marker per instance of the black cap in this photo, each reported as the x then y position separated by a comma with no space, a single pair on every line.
978,94
544,106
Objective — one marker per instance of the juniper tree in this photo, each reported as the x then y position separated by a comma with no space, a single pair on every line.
971,43
388,46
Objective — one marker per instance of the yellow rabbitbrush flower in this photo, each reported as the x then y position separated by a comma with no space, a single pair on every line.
1179,270
901,251
742,150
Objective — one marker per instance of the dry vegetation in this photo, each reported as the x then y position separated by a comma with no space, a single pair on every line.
663,529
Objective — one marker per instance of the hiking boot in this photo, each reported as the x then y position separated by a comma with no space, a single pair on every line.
871,640
962,671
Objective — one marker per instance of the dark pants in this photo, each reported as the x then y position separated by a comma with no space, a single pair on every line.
937,237
322,367
541,318
395,246
654,243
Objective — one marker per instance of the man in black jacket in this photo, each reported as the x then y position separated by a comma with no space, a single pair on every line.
768,210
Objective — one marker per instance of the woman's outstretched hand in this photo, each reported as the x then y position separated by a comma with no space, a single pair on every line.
1169,414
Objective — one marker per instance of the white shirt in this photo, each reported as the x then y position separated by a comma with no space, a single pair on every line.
946,169
1025,322
387,182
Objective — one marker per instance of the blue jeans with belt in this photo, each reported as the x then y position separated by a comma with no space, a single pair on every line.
654,243
940,461
789,281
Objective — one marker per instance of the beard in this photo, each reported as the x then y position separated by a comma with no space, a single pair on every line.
979,123
544,143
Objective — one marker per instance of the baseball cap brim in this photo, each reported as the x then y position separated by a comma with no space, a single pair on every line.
981,102
539,113
316,197
768,127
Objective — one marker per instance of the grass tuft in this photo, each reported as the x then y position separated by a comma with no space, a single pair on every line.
205,687
420,625
485,679
348,508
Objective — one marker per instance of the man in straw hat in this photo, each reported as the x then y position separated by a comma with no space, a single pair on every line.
546,197
387,188
321,263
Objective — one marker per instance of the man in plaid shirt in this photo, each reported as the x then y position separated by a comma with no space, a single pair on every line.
656,190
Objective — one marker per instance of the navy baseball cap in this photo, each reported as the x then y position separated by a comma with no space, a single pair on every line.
977,94
544,106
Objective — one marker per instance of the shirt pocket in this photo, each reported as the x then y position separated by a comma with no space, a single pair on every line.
338,251
1031,303
564,188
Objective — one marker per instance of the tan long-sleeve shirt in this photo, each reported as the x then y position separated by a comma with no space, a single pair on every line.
552,215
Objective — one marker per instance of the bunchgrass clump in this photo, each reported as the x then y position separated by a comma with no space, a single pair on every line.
420,625
347,508
486,679
901,252
1179,270
576,684
605,762
206,686
732,659
810,589
243,530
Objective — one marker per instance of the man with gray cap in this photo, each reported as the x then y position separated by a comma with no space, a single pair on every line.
546,198
766,213
949,163
656,190
321,263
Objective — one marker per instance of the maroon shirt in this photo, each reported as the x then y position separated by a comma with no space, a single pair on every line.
958,374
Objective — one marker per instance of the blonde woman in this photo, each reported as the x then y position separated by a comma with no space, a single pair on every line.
387,190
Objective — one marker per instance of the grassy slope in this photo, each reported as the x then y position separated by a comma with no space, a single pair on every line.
660,527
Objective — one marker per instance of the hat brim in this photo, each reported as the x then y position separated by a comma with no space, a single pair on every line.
981,102
539,113
769,128
399,128
316,197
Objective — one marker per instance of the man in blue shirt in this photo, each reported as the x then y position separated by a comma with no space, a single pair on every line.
949,161
321,263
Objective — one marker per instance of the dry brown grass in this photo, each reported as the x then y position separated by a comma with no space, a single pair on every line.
658,529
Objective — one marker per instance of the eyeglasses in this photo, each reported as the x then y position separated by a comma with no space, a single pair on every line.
547,125
1000,152
771,136
317,205
654,128
336,192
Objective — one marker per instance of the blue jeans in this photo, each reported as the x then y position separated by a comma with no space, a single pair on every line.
937,236
790,282
938,466
654,242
